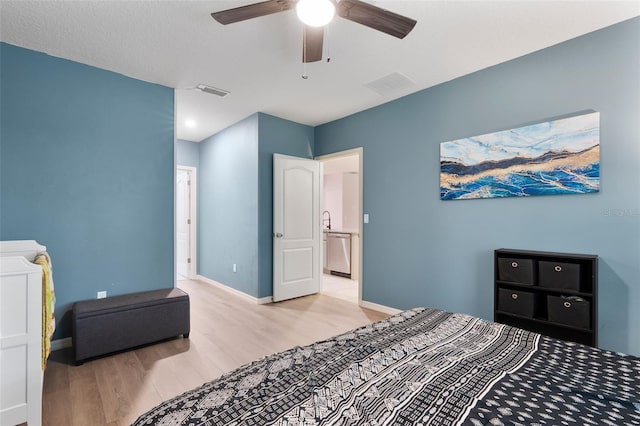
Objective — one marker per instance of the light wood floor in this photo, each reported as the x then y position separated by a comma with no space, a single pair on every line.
227,331
340,288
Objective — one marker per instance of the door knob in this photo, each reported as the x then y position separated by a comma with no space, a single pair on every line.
278,235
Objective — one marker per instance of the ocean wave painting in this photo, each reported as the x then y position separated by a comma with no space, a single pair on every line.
555,157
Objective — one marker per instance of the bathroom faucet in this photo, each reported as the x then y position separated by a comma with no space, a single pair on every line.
329,220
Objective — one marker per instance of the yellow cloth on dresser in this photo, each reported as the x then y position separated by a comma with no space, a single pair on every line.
48,308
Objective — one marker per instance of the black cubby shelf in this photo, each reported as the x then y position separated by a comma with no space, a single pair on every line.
543,289
542,321
557,295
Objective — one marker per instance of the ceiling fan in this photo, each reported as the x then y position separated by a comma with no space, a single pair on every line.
315,14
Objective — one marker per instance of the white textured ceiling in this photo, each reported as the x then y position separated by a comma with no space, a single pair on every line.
178,44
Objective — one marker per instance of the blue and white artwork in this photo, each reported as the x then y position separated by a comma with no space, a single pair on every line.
555,157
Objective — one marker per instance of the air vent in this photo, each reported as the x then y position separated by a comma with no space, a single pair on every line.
212,90
390,84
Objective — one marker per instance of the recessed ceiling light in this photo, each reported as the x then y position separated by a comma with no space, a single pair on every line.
190,123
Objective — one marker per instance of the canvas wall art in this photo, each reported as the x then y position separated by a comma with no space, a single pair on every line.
555,157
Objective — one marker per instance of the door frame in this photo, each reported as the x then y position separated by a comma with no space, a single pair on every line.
348,153
193,193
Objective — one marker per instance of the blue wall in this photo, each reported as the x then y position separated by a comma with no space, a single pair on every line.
276,136
187,153
228,206
235,204
87,169
419,250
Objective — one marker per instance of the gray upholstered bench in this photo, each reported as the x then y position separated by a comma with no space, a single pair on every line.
102,326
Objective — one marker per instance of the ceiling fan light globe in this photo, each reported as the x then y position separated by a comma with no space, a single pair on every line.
315,13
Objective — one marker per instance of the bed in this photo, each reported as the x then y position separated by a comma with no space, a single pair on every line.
420,367
26,326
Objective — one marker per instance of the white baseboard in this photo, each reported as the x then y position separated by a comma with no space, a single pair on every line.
269,299
379,308
260,301
58,344
264,300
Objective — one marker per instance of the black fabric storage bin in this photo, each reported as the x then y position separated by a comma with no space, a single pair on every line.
516,302
515,270
575,313
559,275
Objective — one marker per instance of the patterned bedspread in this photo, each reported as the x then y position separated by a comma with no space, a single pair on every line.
420,367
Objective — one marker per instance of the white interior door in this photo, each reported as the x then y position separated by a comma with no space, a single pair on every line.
297,233
183,216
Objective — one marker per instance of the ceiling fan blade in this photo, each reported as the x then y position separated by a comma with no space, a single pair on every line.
376,17
250,11
312,39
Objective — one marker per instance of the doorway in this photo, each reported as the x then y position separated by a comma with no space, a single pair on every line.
342,225
185,222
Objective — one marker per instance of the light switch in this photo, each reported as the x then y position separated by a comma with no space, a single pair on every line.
366,218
